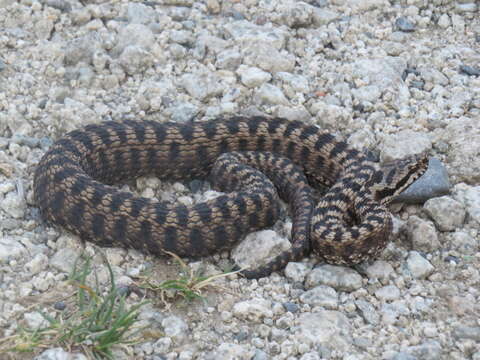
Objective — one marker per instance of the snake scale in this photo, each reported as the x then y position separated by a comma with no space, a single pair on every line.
256,159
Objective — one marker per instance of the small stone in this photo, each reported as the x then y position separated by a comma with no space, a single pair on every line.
297,113
447,213
177,51
444,21
331,329
175,328
183,112
297,14
311,356
269,59
162,345
404,143
61,5
429,350
138,35
258,248
388,293
138,13
324,16
37,264
272,95
59,354
35,320
321,295
403,356
60,305
466,7
367,93
10,248
463,139
253,76
470,197
229,60
297,83
14,205
405,25
201,86
64,259
434,76
380,270
367,311
418,266
297,271
467,332
213,6
182,37
229,351
338,277
422,234
260,355
253,310
291,307
469,70
135,59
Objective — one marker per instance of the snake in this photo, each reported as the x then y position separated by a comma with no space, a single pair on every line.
255,161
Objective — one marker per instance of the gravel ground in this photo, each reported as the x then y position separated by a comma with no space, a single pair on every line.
397,77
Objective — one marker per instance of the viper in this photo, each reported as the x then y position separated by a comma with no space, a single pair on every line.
254,160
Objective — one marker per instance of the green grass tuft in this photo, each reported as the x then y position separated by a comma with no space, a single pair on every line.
96,322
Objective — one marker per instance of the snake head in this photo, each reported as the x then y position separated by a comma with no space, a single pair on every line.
396,176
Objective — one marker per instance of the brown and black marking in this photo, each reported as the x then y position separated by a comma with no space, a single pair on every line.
257,159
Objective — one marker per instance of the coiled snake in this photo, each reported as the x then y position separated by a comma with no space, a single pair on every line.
72,187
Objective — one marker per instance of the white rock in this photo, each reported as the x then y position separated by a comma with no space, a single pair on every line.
388,293
247,34
380,270
293,113
59,354
297,83
463,138
327,328
162,345
37,264
470,197
138,13
14,205
229,351
272,95
10,248
134,35
422,234
404,143
269,59
258,248
201,86
135,59
338,277
297,271
253,76
444,21
253,310
447,213
175,328
35,320
418,266
229,60
321,296
64,259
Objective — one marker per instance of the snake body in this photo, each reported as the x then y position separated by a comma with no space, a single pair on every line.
73,187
